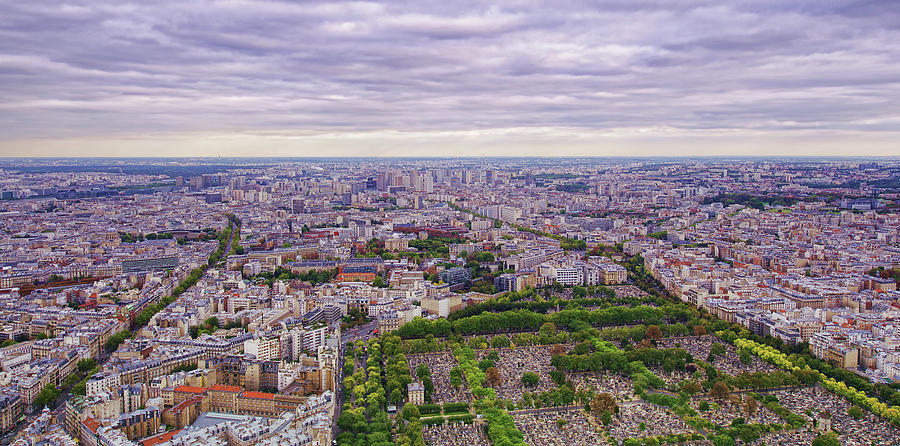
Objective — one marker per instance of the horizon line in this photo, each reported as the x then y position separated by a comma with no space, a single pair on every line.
829,157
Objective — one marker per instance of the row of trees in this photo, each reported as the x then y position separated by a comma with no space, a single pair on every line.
236,247
606,356
597,355
803,368
634,333
113,342
126,237
369,391
194,276
224,238
424,375
534,302
86,368
800,355
50,393
665,439
572,318
363,388
887,393
565,243
858,397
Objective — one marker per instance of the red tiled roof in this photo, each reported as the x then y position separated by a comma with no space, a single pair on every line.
91,424
259,395
161,438
188,402
189,389
224,388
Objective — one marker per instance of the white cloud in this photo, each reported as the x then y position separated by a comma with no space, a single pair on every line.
456,75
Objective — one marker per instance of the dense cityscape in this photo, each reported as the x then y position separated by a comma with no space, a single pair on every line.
449,223
504,301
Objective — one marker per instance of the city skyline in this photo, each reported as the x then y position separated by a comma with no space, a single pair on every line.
449,301
388,79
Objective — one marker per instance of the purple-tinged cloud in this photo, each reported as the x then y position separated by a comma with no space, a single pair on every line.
117,67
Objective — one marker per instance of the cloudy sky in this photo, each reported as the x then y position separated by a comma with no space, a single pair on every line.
445,78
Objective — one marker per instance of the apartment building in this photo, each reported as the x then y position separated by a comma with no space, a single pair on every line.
264,349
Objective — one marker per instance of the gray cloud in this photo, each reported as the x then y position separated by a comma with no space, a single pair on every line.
114,67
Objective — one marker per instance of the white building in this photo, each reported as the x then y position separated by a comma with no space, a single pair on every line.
569,275
265,349
308,339
101,383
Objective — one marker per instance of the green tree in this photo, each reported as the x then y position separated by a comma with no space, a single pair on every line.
410,412
46,397
484,257
80,388
113,342
828,439
70,381
745,356
396,396
530,379
85,365
428,384
691,387
547,329
722,440
500,341
527,400
348,420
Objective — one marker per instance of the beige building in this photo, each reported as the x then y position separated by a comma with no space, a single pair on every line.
613,274
416,393
396,244
843,355
11,408
442,305
388,321
264,349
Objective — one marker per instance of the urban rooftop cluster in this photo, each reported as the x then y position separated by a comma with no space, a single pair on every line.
449,302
